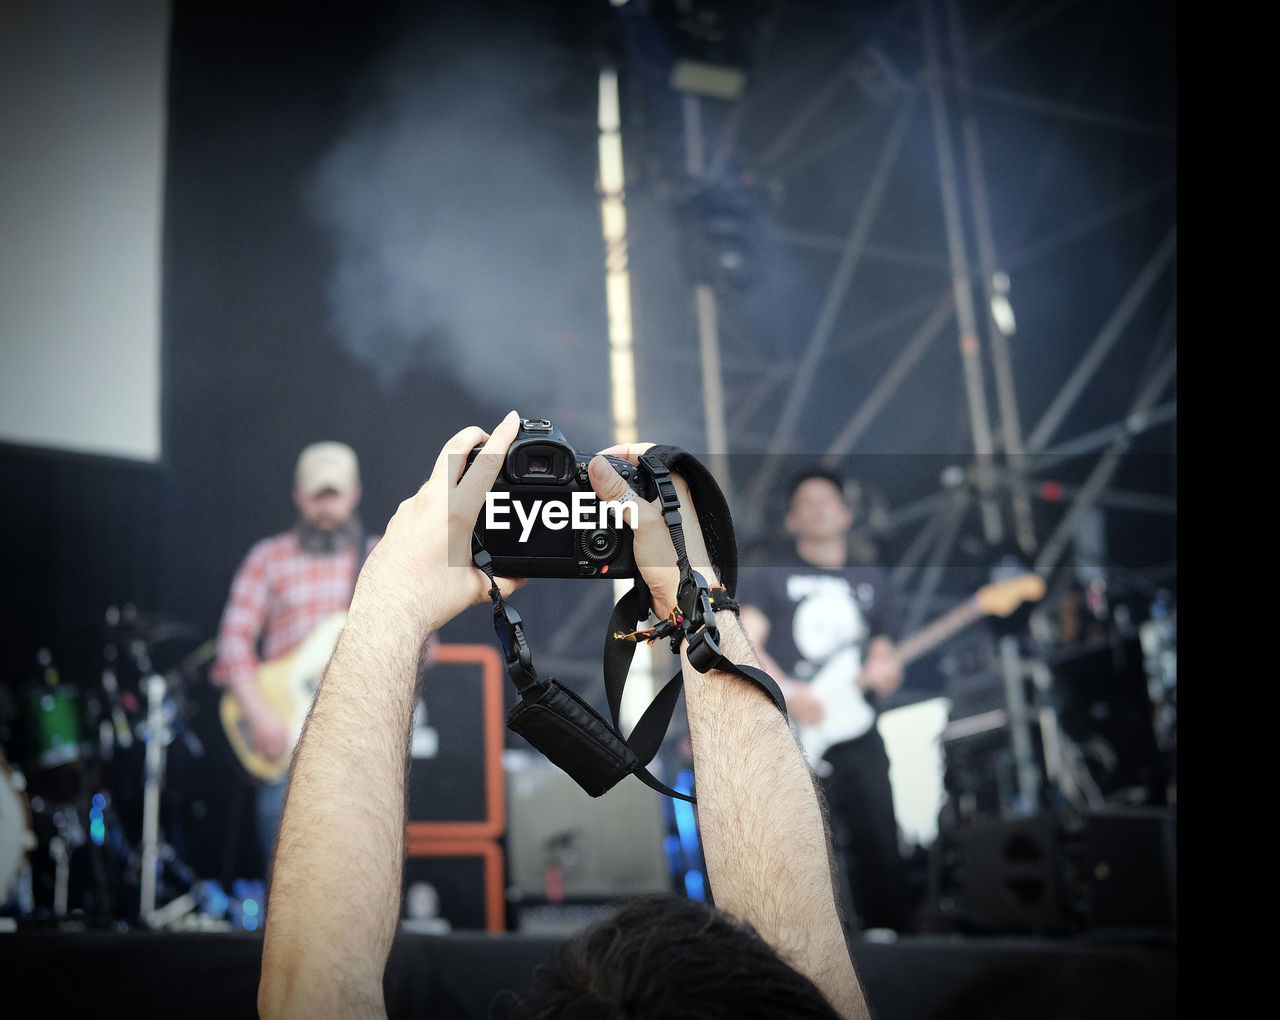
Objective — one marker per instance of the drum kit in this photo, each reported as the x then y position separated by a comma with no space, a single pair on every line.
82,771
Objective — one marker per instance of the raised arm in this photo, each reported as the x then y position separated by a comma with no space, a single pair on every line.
334,899
766,843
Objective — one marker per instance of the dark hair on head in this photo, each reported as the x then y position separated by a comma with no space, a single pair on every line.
826,474
667,956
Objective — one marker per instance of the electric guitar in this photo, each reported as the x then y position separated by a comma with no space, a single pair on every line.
288,684
846,713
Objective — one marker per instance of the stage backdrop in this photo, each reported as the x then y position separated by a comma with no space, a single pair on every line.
377,229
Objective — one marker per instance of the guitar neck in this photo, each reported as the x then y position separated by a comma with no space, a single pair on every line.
928,638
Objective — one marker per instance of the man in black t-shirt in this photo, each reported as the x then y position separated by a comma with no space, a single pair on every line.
823,626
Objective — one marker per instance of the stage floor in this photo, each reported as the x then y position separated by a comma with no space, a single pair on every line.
145,974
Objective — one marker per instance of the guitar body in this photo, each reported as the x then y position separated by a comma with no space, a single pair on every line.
846,714
288,685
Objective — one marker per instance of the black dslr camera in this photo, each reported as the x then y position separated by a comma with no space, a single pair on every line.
543,519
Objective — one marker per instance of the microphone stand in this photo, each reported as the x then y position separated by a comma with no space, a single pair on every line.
158,734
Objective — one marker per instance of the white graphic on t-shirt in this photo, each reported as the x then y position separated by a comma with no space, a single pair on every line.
827,621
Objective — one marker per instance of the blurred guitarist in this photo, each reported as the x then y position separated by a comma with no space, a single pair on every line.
822,622
285,588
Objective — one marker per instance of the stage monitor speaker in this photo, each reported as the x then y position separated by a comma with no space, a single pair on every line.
1004,877
1059,874
455,777
1129,866
565,845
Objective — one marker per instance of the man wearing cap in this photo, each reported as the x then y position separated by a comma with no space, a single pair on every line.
287,586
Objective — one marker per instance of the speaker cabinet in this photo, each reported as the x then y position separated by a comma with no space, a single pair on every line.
453,886
1058,874
1004,877
455,778
1128,863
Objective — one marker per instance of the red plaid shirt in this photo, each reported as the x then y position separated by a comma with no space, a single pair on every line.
280,594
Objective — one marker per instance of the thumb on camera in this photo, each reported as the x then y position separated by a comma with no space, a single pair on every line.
608,484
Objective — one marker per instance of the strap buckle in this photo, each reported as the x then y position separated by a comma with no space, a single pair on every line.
667,494
700,630
509,627
703,649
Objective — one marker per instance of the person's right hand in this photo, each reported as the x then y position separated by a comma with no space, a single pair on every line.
803,705
269,733
421,569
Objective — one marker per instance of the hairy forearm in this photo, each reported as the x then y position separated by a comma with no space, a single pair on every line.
335,885
334,902
765,840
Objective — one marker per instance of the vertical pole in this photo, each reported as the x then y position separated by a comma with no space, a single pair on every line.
962,287
1026,772
706,312
154,778
639,688
1010,421
613,220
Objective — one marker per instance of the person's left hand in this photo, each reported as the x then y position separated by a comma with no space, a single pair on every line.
655,555
422,565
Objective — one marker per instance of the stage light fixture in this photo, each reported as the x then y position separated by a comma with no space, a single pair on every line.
1001,309
711,80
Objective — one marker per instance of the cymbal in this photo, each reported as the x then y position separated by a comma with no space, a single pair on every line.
152,628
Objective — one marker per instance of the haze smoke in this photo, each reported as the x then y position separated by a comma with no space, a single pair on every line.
465,228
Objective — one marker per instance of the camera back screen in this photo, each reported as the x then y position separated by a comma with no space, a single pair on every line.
542,542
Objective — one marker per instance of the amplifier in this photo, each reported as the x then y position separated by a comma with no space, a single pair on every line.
455,777
452,885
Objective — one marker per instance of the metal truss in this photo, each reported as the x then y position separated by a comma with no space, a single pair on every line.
1020,140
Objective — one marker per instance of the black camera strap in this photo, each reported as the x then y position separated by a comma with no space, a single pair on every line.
691,620
568,731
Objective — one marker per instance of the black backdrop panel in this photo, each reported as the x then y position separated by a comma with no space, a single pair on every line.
306,293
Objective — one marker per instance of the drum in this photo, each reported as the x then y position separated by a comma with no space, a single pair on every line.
52,724
17,838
